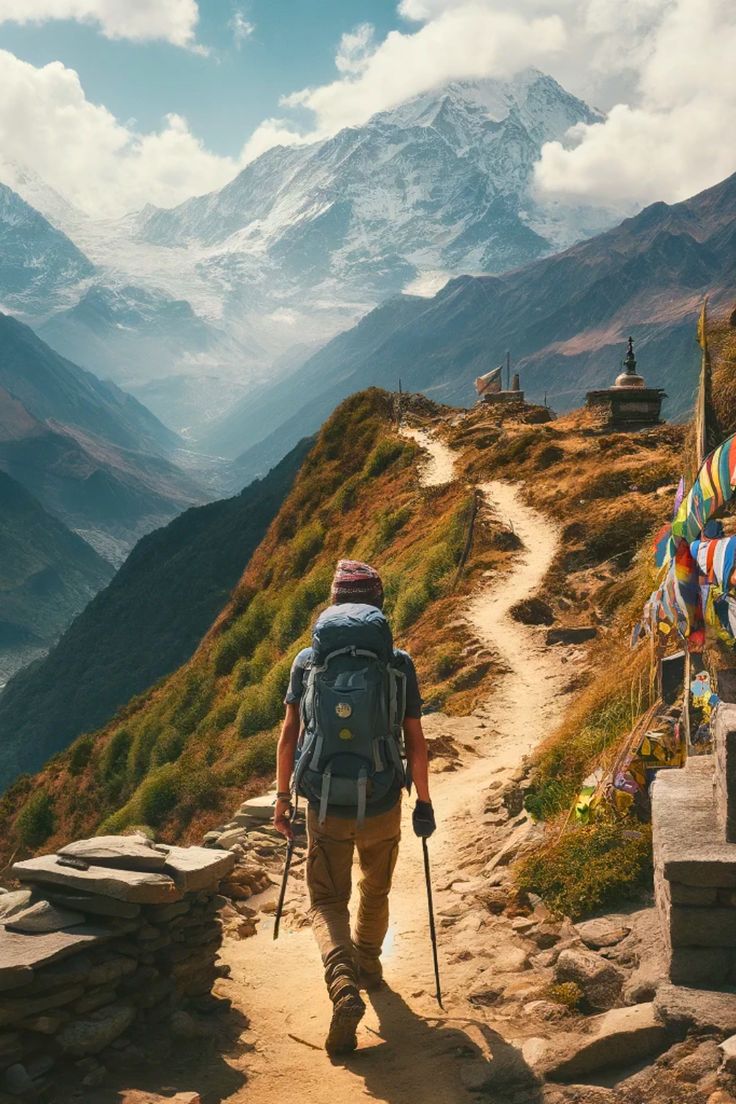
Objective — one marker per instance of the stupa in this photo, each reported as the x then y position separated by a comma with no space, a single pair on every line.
629,404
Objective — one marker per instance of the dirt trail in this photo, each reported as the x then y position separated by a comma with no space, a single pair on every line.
280,984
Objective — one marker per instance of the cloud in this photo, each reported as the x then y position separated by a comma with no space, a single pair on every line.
101,165
354,51
672,138
241,28
173,21
466,40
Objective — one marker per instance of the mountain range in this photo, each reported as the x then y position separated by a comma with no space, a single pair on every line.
188,307
47,575
146,623
565,320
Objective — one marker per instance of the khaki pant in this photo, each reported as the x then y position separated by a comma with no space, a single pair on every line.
329,881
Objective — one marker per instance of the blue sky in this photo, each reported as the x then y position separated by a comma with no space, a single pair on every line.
225,95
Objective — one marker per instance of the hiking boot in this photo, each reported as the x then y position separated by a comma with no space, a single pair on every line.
347,1013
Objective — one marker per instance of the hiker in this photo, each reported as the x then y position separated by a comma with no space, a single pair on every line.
352,708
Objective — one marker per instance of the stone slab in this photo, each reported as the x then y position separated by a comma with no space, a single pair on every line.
139,887
696,966
42,916
699,927
134,852
698,896
724,745
196,868
13,903
689,847
684,1009
616,1038
33,951
96,906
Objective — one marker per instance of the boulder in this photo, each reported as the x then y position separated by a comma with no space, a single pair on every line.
606,931
134,852
13,903
197,868
576,635
504,1068
683,1009
617,1038
600,981
700,1062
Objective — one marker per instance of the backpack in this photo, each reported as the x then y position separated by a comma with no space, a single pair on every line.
350,750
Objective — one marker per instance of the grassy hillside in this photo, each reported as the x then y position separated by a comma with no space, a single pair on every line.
185,752
145,624
47,573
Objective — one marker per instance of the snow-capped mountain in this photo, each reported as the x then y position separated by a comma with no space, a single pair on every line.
215,294
307,238
40,267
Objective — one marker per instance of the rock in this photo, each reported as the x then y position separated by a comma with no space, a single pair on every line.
720,1096
703,1060
233,836
197,868
140,887
506,1067
522,924
486,989
727,1052
93,1033
506,854
96,906
606,931
544,1010
683,1009
13,903
545,936
17,1081
134,852
494,898
572,635
24,953
44,917
600,981
620,1037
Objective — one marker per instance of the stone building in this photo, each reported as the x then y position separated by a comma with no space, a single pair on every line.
629,404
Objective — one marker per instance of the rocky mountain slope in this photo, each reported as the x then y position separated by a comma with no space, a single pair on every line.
565,320
40,267
191,746
47,575
91,454
146,623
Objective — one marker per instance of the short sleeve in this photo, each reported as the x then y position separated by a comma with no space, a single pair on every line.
413,696
296,678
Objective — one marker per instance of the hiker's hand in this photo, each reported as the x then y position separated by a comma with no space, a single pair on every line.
282,815
423,819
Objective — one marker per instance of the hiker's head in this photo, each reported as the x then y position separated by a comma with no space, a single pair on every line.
356,582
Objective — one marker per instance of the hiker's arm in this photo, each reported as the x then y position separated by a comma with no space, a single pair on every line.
416,756
285,753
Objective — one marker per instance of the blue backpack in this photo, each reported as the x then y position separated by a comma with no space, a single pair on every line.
350,752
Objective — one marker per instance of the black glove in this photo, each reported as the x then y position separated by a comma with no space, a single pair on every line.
423,819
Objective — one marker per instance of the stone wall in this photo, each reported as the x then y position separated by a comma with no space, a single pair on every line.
695,861
106,936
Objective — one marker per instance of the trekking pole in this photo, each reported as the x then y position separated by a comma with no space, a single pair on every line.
284,880
432,930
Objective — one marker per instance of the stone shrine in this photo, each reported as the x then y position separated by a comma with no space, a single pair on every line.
629,404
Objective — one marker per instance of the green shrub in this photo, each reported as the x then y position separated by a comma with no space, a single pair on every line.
168,746
158,795
243,637
589,866
305,547
447,662
385,453
36,820
567,993
80,754
411,604
115,755
262,704
257,758
388,524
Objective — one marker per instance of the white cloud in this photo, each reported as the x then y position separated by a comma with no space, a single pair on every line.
103,166
672,137
467,40
173,21
354,51
241,27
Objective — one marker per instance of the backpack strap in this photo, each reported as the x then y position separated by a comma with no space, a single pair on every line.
324,797
349,650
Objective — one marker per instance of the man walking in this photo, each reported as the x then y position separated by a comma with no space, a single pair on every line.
353,728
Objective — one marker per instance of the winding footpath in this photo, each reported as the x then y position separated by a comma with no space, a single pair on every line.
408,1049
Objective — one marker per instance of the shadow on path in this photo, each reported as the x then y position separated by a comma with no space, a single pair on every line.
417,1058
